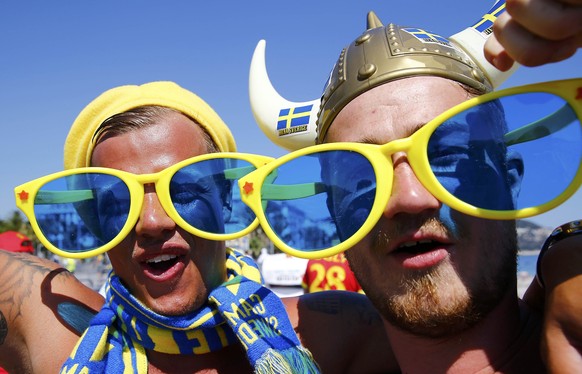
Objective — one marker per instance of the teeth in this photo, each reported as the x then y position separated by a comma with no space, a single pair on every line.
161,258
412,244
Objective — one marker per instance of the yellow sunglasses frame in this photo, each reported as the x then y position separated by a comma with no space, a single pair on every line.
255,186
26,194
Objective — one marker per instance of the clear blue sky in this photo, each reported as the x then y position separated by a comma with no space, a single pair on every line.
56,56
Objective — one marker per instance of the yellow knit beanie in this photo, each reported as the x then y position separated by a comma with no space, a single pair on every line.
79,144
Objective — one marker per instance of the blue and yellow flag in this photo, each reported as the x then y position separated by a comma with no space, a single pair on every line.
293,120
426,36
485,24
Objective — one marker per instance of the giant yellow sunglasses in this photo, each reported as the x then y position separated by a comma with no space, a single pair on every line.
83,212
508,154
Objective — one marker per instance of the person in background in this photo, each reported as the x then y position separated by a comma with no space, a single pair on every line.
330,273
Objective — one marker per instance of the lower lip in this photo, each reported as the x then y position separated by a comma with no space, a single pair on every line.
420,261
169,274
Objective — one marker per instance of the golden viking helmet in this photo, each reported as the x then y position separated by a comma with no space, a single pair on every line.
380,55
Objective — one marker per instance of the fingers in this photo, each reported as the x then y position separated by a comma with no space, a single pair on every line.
535,32
496,54
526,47
554,20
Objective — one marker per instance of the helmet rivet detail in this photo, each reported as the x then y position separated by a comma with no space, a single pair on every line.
366,71
363,38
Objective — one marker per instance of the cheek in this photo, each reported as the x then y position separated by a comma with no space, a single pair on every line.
484,242
490,262
121,256
209,258
363,261
119,261
446,216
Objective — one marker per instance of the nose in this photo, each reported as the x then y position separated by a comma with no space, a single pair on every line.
408,194
153,220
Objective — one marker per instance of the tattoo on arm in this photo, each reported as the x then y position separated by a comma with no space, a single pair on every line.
324,303
353,306
19,275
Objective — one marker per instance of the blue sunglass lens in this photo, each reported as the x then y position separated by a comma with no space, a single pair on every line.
81,212
325,219
206,195
515,152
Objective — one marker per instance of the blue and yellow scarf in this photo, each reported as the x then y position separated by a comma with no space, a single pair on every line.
240,310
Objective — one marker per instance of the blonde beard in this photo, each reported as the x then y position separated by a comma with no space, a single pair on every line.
433,304
437,303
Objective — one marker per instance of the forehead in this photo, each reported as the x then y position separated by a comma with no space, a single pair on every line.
152,148
395,110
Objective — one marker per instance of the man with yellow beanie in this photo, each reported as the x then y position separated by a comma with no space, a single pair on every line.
149,179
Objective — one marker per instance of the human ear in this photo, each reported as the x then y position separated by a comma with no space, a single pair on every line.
515,169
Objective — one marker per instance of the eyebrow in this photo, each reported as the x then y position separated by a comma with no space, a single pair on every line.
373,140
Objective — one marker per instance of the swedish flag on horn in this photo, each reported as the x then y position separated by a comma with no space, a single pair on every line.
485,25
293,120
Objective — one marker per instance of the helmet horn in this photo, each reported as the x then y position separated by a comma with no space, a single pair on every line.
472,39
288,124
381,54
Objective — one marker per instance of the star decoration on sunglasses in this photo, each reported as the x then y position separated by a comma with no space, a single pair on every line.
248,188
23,195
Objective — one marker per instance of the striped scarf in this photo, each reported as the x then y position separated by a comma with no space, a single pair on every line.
240,310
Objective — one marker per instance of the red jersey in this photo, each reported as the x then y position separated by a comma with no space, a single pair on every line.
330,273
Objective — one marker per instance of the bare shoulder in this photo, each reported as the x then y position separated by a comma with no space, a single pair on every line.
344,332
39,299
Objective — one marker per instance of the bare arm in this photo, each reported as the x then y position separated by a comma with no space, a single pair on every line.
535,32
343,331
42,307
562,274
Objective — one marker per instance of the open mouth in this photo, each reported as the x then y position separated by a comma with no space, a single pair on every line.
161,264
417,247
421,254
